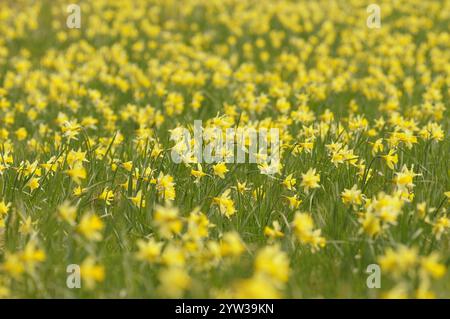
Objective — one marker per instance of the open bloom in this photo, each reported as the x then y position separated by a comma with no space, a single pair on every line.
352,196
310,179
391,158
220,169
225,203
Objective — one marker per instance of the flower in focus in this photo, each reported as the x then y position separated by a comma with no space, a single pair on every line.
165,186
225,203
391,158
220,169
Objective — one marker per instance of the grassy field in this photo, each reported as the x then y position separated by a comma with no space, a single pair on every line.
90,116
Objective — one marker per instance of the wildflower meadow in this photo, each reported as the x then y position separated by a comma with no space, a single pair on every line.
224,149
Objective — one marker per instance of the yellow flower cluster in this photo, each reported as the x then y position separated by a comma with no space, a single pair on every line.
406,266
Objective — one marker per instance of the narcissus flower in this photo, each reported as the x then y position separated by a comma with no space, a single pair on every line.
274,231
371,224
174,256
198,225
352,196
231,245
441,226
303,226
27,226
225,203
33,183
128,166
386,207
149,250
67,212
32,255
106,195
220,169
289,182
198,174
165,186
13,265
91,226
102,156
422,209
294,201
91,273
77,173
78,191
430,264
174,281
138,200
256,287
404,178
167,221
391,158
241,187
310,179
4,208
274,263
21,134
398,261
377,146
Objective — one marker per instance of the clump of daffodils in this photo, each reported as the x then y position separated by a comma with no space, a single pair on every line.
381,212
411,273
23,261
